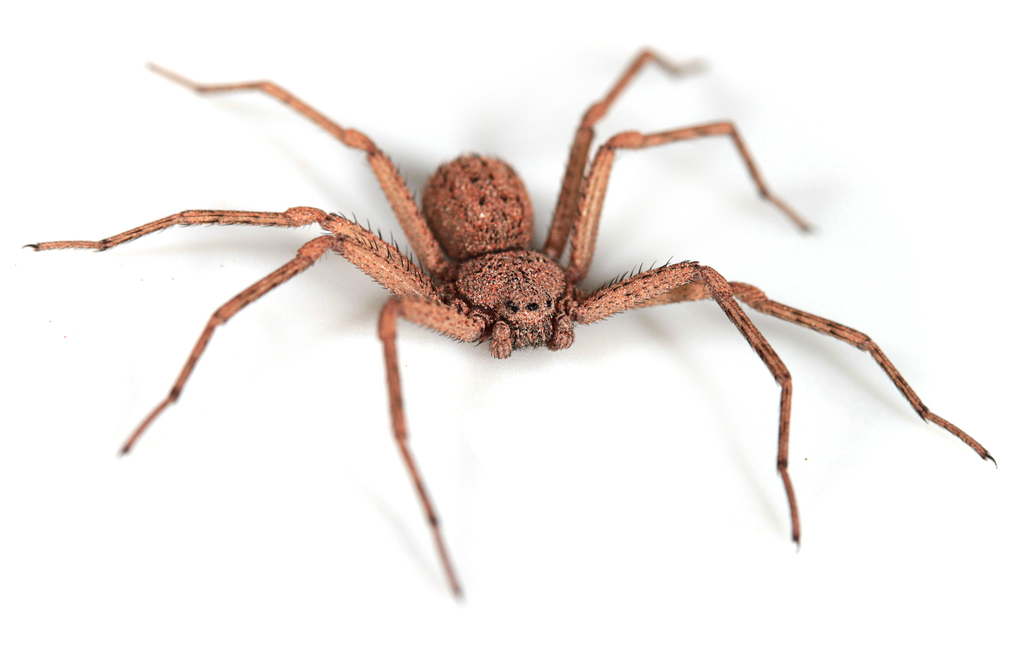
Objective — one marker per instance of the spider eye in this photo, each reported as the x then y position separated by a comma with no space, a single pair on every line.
511,307
549,303
533,307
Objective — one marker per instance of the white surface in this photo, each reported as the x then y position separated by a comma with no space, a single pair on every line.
617,496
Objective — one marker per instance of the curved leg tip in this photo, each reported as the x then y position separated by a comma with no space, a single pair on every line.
694,66
797,219
158,69
171,75
802,225
33,246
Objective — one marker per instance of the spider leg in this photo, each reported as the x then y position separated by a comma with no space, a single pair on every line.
591,199
377,258
294,217
371,254
307,256
391,183
449,322
638,291
759,301
569,195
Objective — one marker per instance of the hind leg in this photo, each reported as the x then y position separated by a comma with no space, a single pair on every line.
648,288
391,183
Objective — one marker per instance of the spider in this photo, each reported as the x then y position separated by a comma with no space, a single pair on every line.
478,280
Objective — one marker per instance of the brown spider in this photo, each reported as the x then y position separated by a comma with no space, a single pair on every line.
478,279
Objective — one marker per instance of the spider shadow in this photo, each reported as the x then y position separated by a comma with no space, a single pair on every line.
829,356
401,528
715,403
860,381
834,355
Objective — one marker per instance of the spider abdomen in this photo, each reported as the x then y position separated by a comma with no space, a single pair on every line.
478,205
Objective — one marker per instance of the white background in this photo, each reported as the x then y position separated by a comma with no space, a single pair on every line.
617,496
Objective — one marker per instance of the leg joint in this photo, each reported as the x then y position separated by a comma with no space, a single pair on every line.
626,140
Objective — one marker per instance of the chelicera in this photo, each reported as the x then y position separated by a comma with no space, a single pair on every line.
478,280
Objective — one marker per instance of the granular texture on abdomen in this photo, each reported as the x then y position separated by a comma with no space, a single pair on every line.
478,205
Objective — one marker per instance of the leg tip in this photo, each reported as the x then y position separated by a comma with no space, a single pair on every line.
127,447
694,66
33,246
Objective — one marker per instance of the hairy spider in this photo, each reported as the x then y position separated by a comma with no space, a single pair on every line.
478,280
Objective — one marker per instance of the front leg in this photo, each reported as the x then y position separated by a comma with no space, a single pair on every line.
377,258
294,217
759,301
639,290
308,255
634,291
448,322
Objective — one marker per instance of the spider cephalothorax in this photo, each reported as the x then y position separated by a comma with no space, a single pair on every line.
522,294
479,279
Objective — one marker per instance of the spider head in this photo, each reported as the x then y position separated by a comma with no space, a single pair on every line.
521,289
